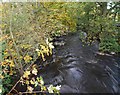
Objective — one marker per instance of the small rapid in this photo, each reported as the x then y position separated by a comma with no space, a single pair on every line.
79,68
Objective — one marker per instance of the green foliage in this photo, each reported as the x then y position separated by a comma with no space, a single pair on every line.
26,28
109,44
108,36
99,24
7,83
83,37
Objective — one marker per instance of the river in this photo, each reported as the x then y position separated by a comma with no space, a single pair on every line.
80,68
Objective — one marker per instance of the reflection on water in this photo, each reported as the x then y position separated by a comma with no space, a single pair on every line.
81,69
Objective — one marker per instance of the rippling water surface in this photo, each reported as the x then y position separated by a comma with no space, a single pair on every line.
79,68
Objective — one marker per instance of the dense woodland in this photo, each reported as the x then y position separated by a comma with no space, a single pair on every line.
27,30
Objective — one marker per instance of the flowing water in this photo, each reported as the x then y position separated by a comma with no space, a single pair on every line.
79,68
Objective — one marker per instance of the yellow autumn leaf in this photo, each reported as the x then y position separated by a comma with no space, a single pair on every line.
11,71
4,63
26,74
1,76
12,64
34,71
42,47
5,52
30,89
43,88
38,53
25,46
27,82
42,56
21,57
27,58
32,82
46,50
50,51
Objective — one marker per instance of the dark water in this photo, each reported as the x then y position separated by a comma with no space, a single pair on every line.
81,69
